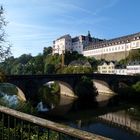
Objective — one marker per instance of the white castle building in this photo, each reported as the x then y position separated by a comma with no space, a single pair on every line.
113,49
67,43
62,44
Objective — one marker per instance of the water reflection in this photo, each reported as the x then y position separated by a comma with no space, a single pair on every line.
48,98
122,119
114,122
63,107
10,95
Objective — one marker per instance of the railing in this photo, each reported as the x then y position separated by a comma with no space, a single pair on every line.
15,125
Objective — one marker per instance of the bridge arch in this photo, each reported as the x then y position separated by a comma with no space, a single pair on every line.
65,88
103,87
10,90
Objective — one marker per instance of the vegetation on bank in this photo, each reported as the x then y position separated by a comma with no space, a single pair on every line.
130,92
134,55
85,88
86,92
79,69
46,64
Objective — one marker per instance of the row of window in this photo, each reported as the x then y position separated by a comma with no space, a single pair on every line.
110,67
116,42
133,68
113,48
107,72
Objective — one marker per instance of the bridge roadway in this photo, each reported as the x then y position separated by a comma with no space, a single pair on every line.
30,84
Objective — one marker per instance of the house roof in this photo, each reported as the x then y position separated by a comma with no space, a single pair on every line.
80,63
119,66
107,62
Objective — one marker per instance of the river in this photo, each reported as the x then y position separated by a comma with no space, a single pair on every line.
118,122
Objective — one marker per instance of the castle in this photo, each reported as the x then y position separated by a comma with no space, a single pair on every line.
113,49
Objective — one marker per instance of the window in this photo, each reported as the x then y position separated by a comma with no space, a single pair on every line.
137,44
103,67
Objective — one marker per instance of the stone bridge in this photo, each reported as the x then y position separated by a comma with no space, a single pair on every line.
30,84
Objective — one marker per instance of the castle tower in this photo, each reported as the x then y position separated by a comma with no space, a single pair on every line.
89,34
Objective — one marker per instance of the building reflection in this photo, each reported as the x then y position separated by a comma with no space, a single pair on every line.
122,119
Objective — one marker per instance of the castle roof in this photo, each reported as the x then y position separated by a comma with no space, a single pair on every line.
64,36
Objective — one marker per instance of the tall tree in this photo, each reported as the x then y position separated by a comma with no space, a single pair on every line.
4,46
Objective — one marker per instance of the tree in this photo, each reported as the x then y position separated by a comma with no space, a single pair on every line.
49,69
94,63
134,55
4,48
47,50
85,89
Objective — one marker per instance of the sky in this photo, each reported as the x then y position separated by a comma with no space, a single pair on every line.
34,24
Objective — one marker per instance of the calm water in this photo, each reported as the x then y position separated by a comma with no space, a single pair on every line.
119,123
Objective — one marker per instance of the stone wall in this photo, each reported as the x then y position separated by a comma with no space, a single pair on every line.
113,56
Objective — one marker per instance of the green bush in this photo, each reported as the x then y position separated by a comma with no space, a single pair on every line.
130,92
136,87
78,69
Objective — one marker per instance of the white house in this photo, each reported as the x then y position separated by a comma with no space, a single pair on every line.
107,67
133,68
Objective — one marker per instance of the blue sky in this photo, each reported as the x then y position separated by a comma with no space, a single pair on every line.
34,24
